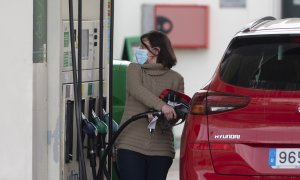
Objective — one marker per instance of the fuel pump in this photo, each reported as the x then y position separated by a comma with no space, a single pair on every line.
76,80
94,127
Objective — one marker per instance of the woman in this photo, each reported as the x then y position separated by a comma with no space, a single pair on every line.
145,155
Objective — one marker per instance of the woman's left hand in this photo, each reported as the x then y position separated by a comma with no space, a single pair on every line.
168,112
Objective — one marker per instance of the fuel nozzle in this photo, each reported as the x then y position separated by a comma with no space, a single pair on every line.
172,99
88,127
115,125
180,103
100,125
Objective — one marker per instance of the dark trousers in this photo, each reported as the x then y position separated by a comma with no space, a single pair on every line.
136,166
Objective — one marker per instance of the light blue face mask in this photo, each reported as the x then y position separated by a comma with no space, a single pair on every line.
141,56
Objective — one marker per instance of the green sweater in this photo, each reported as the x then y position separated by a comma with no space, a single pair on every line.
143,86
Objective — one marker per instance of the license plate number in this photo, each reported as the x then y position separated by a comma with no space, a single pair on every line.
288,158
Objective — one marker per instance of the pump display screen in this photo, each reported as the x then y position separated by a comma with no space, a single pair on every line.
85,44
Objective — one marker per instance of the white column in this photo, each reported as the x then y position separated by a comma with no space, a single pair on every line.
16,97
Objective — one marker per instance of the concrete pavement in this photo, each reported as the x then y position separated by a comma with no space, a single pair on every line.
174,169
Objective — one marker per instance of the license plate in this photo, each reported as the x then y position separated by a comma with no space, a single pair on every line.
284,158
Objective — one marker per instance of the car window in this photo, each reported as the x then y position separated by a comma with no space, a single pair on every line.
271,63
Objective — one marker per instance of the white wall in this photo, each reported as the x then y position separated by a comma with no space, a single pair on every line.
196,65
16,89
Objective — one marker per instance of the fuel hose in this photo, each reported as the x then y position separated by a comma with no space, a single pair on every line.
113,139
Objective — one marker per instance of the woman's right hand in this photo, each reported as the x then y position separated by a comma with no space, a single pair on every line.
168,112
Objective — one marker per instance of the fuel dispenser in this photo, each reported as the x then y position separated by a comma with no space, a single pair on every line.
79,46
81,52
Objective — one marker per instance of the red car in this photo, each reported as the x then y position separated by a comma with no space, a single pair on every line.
245,124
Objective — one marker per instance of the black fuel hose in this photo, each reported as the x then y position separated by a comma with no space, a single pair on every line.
115,136
77,95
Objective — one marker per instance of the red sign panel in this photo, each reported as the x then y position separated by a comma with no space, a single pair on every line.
186,25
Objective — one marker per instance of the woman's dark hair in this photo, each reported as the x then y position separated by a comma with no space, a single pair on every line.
166,55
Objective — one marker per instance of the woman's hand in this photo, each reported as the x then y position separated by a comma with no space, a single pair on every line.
150,117
168,112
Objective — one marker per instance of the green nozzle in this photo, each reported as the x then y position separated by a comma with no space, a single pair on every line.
100,125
